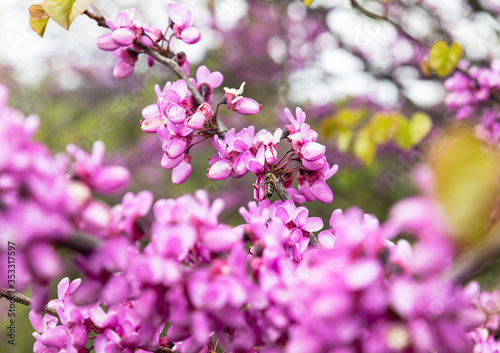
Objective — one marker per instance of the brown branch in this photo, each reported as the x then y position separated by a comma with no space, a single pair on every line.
355,4
157,54
469,265
22,299
81,243
475,5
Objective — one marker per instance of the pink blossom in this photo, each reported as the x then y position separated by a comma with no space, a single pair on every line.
182,24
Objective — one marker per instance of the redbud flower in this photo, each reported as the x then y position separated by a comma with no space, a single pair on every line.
89,169
182,171
243,105
183,29
206,82
197,120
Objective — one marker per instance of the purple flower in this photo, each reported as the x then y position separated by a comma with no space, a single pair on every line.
243,105
89,169
182,24
206,82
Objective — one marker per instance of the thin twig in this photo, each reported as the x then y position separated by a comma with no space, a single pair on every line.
22,299
469,265
81,243
170,63
355,4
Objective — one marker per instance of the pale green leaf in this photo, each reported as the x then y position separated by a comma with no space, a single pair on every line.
65,11
38,25
344,138
443,58
402,135
420,126
364,146
38,19
467,184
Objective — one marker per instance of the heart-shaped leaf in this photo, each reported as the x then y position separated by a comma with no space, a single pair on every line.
443,58
420,125
364,146
402,135
38,19
65,11
466,177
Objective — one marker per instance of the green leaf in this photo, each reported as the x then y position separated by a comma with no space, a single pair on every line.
402,135
466,177
38,19
65,11
344,138
443,58
420,125
364,146
383,126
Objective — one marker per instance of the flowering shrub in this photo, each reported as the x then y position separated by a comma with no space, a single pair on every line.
169,276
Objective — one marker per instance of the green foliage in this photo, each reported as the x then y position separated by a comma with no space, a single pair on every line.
369,132
38,19
444,58
466,178
63,12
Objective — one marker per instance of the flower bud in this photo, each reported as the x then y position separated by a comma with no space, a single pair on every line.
123,36
182,171
247,106
105,42
220,170
110,179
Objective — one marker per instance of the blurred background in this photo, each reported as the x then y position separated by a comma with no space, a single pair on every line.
343,68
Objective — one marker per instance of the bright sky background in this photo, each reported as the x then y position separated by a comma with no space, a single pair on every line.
31,56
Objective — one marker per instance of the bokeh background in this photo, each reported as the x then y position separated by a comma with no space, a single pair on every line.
331,60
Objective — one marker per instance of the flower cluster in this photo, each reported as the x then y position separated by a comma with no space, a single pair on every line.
180,121
246,151
485,337
129,34
42,201
126,29
471,87
468,92
193,275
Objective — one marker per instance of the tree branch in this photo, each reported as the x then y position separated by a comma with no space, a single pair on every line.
81,243
469,265
159,56
355,4
22,299
475,5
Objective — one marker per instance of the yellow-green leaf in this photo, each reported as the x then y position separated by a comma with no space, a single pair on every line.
426,68
307,2
344,138
364,146
329,126
65,11
38,19
36,11
402,135
383,126
443,58
38,25
467,184
420,125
